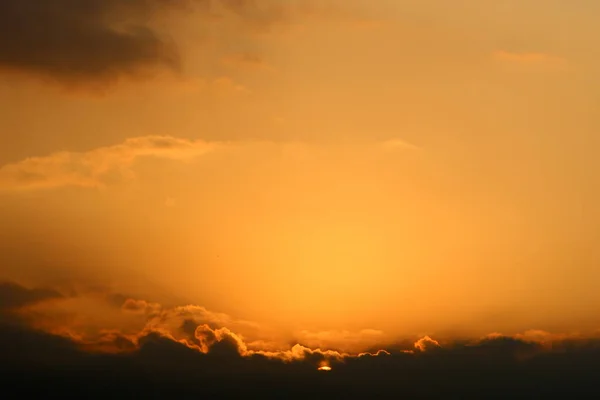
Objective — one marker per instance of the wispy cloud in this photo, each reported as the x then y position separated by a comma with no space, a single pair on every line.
530,59
104,166
96,167
246,61
396,143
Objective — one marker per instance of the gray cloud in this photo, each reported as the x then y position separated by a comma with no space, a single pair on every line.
14,296
81,40
84,41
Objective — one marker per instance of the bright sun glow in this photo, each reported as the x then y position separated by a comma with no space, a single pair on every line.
324,368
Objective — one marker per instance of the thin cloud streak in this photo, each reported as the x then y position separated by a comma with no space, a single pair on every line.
531,59
96,167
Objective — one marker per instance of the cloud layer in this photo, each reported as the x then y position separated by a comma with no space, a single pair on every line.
184,351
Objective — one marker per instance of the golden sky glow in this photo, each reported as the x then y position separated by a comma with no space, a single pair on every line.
341,173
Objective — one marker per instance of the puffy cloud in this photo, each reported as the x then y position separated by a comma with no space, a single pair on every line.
108,341
140,307
299,352
225,369
176,317
426,344
213,359
200,329
376,354
96,167
128,320
220,340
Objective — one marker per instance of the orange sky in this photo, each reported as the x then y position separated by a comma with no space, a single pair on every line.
337,170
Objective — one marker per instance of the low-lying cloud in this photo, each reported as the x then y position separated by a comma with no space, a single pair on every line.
187,345
343,340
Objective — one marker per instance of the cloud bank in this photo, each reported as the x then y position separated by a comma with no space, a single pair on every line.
183,351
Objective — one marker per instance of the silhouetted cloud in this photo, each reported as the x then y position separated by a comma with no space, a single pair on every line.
426,344
83,41
14,296
201,359
348,340
109,341
79,40
161,366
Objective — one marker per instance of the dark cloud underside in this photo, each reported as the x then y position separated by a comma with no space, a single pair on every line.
36,363
13,296
79,40
75,41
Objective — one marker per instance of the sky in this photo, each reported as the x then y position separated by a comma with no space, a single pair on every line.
342,175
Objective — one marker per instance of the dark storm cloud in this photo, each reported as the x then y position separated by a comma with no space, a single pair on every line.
73,40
